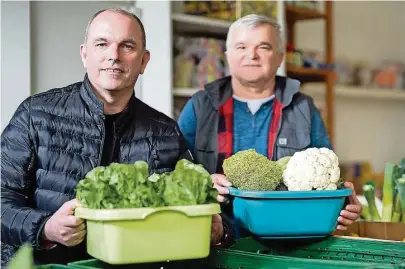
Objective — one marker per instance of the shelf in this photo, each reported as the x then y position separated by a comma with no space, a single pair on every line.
299,13
340,91
307,74
193,24
353,92
184,92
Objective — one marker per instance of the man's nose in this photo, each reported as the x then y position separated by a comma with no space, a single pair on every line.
252,54
113,53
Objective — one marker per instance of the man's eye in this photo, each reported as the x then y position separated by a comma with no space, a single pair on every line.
129,47
240,47
265,47
101,45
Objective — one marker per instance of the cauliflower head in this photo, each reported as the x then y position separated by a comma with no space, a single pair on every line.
249,170
313,168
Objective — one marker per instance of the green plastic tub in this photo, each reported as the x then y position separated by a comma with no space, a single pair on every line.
97,264
142,235
332,248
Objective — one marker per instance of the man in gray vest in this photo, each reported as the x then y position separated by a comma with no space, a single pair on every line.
254,108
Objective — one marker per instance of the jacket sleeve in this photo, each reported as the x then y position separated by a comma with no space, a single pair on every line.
20,221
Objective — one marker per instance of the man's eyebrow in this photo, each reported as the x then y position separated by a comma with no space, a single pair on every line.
266,44
129,40
100,39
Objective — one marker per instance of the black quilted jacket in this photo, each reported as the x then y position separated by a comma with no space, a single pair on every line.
52,141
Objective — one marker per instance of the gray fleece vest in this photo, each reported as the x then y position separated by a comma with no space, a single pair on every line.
293,132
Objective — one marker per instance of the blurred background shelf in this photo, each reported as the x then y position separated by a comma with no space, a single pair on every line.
352,92
193,24
307,74
341,91
298,13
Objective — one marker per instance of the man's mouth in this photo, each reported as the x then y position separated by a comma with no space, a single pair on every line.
113,70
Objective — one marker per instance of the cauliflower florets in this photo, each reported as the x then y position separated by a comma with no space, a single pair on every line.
312,169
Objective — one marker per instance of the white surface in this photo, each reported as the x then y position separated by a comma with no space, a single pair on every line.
15,57
157,80
364,30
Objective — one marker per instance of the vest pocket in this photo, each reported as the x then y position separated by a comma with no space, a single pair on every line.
293,139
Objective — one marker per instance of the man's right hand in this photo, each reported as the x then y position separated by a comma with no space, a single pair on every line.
220,183
65,228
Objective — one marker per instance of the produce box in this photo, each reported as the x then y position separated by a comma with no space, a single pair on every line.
122,236
332,248
394,231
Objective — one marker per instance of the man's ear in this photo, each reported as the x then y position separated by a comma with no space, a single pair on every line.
83,54
145,60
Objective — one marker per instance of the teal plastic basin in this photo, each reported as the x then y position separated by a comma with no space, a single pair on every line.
288,214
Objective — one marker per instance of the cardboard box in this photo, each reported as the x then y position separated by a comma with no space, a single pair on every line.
394,231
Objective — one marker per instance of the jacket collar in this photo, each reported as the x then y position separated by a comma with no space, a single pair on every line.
97,106
220,90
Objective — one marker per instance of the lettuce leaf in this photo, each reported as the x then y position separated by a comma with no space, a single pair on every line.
130,186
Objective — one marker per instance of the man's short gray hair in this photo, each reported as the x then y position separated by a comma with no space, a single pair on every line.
122,12
252,21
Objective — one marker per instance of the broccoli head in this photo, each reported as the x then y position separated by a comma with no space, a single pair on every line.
249,170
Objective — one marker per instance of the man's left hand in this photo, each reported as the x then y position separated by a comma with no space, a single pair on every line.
351,212
217,229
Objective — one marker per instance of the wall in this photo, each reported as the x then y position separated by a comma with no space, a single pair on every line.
365,129
363,30
57,30
15,57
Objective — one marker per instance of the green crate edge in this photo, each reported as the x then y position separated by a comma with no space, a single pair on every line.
393,252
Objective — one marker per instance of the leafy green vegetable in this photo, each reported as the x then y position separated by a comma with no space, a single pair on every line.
130,186
23,258
189,184
369,193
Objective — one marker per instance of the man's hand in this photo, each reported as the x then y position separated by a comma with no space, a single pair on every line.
217,229
220,183
352,211
63,227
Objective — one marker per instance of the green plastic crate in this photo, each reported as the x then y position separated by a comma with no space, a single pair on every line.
233,259
332,248
142,235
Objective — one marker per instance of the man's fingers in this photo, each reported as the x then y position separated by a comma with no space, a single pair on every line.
341,228
221,190
69,207
349,215
220,180
344,221
72,221
222,199
353,208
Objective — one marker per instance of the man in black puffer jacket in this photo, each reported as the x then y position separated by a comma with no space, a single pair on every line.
56,137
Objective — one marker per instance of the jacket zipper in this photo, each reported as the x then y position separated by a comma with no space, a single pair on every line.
102,141
113,145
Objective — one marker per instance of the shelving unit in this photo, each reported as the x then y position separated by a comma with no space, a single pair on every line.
295,14
290,15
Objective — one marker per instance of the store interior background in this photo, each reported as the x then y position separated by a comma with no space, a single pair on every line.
40,50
